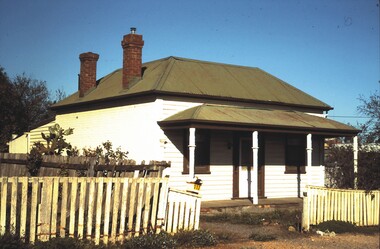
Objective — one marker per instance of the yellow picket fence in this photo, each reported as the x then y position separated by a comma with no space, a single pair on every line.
355,206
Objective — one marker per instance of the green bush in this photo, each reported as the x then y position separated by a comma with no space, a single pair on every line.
197,238
163,240
12,241
225,236
63,243
261,237
150,241
336,226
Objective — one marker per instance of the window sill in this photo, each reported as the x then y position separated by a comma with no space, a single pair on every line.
197,172
295,170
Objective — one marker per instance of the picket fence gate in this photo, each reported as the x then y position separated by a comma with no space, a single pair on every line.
99,209
355,206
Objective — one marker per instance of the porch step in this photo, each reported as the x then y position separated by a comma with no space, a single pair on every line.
239,205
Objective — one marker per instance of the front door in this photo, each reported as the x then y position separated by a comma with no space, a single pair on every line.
246,158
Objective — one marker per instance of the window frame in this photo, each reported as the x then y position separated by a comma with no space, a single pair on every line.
295,154
202,150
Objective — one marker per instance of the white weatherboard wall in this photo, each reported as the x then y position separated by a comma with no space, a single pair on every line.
24,143
277,183
20,144
134,128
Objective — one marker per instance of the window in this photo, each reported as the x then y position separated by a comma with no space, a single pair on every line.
202,152
295,158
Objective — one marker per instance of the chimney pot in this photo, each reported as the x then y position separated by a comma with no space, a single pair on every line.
87,77
132,57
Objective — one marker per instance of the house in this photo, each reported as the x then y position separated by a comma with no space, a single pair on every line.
244,132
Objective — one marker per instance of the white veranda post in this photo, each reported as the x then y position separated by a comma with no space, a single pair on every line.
255,148
356,150
309,150
191,153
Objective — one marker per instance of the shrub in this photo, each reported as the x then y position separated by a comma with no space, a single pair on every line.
12,241
151,241
220,217
63,243
336,226
197,238
225,236
261,237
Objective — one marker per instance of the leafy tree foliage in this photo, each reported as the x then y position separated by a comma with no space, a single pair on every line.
24,102
370,108
7,120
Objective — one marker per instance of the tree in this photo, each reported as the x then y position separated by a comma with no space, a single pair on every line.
371,109
7,105
33,101
24,102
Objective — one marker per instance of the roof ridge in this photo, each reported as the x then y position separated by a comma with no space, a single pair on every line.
108,75
197,110
159,84
208,62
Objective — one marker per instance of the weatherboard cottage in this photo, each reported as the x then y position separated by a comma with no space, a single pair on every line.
244,132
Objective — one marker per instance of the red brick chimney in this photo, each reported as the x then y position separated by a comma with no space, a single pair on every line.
132,52
87,77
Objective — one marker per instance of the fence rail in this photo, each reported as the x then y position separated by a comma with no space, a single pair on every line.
355,206
16,165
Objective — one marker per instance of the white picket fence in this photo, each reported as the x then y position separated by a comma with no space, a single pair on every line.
183,211
99,209
355,206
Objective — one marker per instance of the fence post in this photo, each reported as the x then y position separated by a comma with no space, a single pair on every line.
162,205
91,169
305,212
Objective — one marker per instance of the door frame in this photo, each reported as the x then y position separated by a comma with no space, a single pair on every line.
237,164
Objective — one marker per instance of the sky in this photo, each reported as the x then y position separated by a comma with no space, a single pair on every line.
329,49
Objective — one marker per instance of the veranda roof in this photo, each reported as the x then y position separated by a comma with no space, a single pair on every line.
247,118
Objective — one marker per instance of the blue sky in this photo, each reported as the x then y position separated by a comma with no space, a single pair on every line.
327,48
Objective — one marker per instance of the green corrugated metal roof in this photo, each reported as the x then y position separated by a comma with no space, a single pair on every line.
235,116
188,77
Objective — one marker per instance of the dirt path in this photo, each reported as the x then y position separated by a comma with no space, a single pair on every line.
239,234
345,241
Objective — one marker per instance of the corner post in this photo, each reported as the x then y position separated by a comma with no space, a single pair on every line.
305,212
255,149
192,153
356,152
309,154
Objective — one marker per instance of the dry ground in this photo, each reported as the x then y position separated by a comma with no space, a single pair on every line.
238,235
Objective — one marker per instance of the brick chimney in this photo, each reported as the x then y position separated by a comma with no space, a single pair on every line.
132,52
87,77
